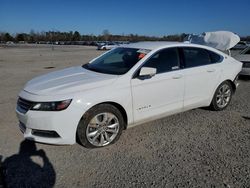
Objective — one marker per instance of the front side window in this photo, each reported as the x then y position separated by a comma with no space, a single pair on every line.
164,61
117,61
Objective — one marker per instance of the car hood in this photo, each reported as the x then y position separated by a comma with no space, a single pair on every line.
68,80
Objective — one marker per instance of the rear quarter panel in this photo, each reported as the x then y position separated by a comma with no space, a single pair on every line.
230,69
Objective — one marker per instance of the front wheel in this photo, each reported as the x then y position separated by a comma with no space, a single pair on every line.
222,96
100,126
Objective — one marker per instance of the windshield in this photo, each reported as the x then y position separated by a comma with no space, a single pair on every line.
117,61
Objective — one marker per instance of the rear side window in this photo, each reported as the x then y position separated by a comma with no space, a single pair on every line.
214,57
196,57
164,61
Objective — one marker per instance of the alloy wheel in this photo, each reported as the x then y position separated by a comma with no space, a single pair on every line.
102,129
223,96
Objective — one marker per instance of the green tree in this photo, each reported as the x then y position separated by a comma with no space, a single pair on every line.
1,36
32,36
7,37
76,36
106,34
20,37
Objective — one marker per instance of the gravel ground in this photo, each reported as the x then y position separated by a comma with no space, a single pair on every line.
198,148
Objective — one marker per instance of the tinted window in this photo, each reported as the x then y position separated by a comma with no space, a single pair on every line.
196,57
214,57
164,61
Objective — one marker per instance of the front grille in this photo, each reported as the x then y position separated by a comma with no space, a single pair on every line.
246,64
23,105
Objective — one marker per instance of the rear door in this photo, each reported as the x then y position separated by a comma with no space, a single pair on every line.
202,71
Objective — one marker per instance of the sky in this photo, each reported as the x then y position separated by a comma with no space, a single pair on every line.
143,17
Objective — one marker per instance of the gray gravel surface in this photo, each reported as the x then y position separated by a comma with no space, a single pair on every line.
197,148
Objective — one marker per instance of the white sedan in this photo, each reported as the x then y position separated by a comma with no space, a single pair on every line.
124,87
107,46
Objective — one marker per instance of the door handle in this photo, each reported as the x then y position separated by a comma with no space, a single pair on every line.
178,76
210,70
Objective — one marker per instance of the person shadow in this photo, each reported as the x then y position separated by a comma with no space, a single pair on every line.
28,168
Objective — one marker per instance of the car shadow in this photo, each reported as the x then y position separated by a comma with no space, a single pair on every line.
28,168
244,77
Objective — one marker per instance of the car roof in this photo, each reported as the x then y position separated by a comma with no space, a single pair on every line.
150,45
155,45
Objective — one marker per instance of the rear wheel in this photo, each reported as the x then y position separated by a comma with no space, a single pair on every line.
222,96
100,126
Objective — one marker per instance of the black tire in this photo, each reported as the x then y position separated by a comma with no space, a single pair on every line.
81,133
214,104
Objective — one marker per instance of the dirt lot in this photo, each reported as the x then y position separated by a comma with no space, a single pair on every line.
198,148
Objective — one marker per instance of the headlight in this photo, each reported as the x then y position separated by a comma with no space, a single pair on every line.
51,106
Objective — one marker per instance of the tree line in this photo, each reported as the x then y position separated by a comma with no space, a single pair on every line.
57,36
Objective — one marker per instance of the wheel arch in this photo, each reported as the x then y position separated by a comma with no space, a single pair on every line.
118,106
226,80
232,84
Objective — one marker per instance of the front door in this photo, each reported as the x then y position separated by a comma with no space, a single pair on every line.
161,94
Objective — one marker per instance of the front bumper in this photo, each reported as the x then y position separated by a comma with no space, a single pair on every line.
48,126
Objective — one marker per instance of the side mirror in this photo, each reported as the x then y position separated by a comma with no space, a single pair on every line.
147,72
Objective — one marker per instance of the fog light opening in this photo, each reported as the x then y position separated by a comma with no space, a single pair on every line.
46,134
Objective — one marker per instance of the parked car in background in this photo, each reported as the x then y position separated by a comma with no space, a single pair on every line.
129,85
10,43
107,46
240,46
244,57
